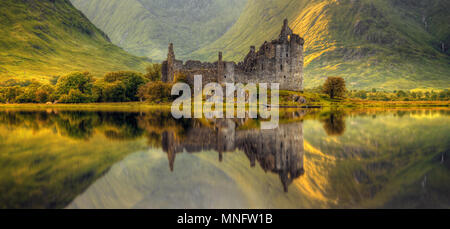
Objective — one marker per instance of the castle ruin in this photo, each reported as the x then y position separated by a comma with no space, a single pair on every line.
279,61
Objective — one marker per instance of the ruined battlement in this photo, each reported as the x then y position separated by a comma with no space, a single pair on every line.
279,61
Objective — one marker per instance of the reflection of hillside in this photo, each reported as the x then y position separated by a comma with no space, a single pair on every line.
384,158
46,163
390,158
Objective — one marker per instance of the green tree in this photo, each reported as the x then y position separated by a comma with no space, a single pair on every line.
181,77
334,87
45,93
154,72
401,94
361,94
75,96
130,80
28,94
83,82
155,92
11,93
114,92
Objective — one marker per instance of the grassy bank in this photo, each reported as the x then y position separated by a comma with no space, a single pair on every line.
317,104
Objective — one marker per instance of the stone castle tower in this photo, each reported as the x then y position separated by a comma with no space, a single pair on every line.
279,61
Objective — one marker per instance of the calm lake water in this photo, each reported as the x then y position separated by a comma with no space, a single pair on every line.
146,159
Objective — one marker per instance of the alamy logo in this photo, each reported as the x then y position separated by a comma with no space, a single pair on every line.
237,101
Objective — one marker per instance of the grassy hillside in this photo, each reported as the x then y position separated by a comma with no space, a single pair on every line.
146,27
47,38
384,44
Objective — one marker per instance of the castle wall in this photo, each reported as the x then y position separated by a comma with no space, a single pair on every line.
279,61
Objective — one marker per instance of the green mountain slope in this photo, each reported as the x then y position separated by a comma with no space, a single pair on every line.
388,44
47,38
146,27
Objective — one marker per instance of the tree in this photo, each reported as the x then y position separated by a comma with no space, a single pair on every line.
45,93
181,77
130,80
155,92
75,96
28,94
153,72
361,94
11,93
83,82
334,87
401,94
114,92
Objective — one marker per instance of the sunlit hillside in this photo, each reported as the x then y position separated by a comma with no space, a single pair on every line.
40,39
385,44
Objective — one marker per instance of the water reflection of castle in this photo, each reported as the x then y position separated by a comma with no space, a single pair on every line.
279,151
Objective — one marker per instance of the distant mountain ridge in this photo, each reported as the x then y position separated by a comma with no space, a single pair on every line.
146,27
44,38
382,44
385,44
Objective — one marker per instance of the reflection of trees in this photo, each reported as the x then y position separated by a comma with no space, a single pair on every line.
78,124
334,123
155,123
114,125
121,125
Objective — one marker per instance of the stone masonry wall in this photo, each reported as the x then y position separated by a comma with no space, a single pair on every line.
279,61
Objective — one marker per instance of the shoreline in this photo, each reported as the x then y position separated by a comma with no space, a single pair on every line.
143,105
